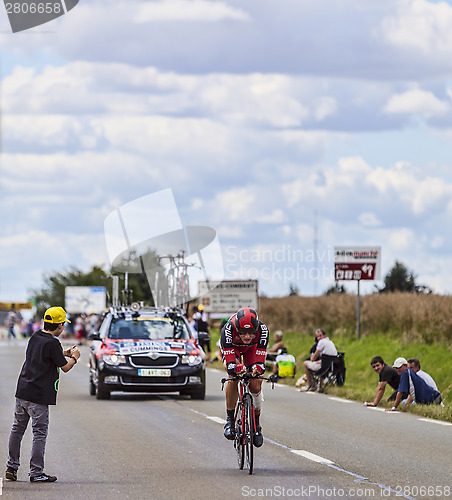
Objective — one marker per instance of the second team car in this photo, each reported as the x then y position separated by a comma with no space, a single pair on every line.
146,350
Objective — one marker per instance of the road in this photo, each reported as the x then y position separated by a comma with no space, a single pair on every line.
170,447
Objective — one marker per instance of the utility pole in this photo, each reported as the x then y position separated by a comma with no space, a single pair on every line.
315,244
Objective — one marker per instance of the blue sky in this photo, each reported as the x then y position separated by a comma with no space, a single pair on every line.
264,117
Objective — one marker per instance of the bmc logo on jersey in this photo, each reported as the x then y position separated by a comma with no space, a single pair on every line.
228,351
261,353
228,333
264,335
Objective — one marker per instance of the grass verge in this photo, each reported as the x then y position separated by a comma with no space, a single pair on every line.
361,381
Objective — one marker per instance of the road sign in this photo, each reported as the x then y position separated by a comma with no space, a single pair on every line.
357,263
85,299
228,296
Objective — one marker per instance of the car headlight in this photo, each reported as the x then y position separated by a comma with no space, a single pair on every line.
114,359
190,359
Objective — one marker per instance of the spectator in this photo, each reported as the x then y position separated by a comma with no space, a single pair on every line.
80,330
274,349
285,364
217,356
202,327
324,347
314,347
418,391
37,388
415,365
279,344
387,375
192,322
11,321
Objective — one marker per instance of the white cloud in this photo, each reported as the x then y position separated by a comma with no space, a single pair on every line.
183,10
421,26
277,216
417,101
369,219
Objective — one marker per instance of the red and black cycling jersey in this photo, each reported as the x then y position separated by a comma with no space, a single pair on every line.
232,346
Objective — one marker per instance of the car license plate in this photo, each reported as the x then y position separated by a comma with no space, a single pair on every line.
154,372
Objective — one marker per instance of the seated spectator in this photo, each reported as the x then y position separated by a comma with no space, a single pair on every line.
314,347
415,365
418,391
324,347
285,365
279,344
273,351
387,375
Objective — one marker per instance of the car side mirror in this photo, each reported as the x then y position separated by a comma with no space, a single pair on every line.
94,336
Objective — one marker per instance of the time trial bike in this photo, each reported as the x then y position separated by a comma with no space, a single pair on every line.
245,422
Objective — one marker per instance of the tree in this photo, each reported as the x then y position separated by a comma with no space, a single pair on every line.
336,289
53,291
400,279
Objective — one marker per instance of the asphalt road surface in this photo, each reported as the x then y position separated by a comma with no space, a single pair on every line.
170,447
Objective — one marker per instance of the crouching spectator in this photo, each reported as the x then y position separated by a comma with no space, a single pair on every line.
387,375
418,391
415,365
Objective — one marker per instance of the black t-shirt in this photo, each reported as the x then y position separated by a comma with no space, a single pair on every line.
39,377
389,375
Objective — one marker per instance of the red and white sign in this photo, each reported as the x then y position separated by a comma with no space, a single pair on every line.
357,263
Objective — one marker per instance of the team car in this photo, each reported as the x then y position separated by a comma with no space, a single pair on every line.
146,350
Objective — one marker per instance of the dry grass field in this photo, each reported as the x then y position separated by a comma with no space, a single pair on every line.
410,317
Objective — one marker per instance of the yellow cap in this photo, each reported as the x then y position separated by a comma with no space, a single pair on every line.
55,315
200,307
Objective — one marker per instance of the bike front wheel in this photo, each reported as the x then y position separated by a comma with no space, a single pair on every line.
239,436
248,430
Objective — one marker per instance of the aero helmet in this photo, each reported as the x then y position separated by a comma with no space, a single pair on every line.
246,321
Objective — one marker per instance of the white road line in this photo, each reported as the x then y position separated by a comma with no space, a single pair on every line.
341,400
432,421
311,456
315,458
215,370
378,409
218,420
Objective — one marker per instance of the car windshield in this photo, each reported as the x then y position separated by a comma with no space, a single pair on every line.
154,329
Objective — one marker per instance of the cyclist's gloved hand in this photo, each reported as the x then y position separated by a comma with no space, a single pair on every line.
240,368
231,369
258,369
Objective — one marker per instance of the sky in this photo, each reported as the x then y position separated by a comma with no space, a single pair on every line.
288,126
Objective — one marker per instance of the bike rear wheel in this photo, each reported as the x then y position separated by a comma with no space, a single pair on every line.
239,437
248,429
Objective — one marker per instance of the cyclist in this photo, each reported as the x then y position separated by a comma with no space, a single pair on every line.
244,336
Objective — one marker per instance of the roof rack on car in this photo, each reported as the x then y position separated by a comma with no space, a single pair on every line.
136,309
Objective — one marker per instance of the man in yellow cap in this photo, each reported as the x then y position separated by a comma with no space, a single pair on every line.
37,388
